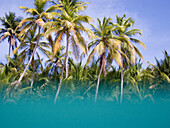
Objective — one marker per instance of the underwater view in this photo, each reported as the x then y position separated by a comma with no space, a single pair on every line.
85,115
80,64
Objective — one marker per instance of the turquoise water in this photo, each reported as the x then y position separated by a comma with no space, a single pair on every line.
35,109
85,115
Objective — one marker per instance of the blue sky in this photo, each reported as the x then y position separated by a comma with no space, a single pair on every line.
152,16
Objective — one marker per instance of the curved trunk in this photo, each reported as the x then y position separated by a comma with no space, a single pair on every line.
121,96
62,72
101,68
9,52
104,66
33,74
98,81
59,86
121,91
22,75
66,58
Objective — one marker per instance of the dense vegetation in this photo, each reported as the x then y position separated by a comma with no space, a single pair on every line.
53,54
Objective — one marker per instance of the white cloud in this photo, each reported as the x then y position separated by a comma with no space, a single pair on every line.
155,41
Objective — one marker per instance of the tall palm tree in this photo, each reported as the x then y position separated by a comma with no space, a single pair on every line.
69,24
10,30
38,16
27,47
125,34
105,45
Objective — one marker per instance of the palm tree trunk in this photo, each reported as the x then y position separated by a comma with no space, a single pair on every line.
121,92
22,75
9,52
59,86
104,65
121,97
66,58
98,80
62,72
33,74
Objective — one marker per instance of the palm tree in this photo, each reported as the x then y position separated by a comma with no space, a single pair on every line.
69,24
105,45
133,76
78,73
54,63
11,71
27,47
10,30
38,17
125,35
161,71
164,65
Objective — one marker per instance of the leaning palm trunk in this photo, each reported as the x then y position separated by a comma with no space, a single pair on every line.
58,90
102,67
62,72
33,74
9,52
22,75
66,67
98,81
121,95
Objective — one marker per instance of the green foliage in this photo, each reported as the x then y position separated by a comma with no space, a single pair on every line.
109,41
10,30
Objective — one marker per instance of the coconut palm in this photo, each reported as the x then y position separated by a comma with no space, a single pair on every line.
78,72
10,30
137,80
105,45
27,47
11,71
69,24
161,71
125,34
54,63
38,17
164,65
